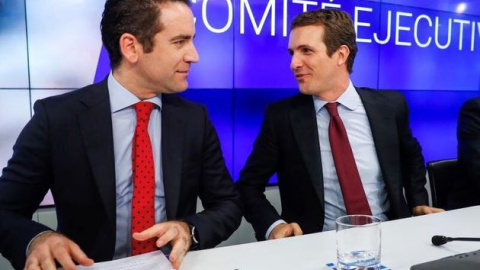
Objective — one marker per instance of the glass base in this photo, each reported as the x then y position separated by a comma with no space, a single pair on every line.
359,260
356,267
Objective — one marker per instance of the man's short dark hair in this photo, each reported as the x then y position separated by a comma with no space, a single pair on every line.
338,27
137,17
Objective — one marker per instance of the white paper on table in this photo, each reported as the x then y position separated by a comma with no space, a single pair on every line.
155,260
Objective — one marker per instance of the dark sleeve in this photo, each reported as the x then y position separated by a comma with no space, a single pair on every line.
413,163
468,134
259,168
220,199
23,184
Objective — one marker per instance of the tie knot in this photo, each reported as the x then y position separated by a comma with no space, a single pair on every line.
143,110
332,108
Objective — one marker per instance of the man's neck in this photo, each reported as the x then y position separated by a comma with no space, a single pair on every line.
336,90
128,80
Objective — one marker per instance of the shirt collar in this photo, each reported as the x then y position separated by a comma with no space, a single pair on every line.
349,99
121,98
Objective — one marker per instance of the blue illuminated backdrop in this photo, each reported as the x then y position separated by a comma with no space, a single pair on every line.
429,50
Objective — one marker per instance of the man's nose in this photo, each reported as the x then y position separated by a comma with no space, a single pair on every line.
192,55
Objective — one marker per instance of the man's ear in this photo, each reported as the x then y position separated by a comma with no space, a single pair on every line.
130,48
343,52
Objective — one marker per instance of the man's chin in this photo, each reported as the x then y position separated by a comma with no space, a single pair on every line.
178,89
305,90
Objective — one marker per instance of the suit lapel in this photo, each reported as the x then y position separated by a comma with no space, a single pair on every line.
384,133
172,136
96,128
304,124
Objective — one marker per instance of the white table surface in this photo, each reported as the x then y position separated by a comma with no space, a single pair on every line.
405,242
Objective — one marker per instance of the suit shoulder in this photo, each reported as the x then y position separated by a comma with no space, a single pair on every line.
189,107
178,100
289,102
75,95
381,92
381,95
471,104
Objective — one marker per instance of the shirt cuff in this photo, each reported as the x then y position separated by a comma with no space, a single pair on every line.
29,243
270,229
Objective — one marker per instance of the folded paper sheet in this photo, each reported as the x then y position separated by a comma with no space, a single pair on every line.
149,261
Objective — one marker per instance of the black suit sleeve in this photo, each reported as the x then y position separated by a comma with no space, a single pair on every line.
259,168
468,134
23,184
413,163
220,199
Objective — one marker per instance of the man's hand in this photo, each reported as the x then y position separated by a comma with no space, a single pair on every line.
424,210
51,246
175,232
285,230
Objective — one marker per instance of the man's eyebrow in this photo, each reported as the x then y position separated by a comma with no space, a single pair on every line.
302,46
179,37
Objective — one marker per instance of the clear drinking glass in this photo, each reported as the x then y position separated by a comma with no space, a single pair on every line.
359,241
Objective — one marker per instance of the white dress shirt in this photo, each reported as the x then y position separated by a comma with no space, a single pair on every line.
123,122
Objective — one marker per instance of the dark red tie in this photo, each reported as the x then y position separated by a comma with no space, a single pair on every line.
143,174
352,190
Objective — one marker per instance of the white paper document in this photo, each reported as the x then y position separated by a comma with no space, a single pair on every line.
149,261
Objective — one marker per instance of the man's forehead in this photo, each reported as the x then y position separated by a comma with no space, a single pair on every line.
307,32
177,17
307,29
169,9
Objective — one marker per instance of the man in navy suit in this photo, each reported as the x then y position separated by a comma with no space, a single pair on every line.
466,188
79,146
294,143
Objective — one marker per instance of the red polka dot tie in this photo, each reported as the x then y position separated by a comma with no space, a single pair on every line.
356,202
143,174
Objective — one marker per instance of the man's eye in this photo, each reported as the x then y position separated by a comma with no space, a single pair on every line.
306,50
179,42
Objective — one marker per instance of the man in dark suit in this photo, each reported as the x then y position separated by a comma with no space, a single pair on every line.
467,187
79,145
294,140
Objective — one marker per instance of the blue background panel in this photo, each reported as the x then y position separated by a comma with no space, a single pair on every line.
215,69
433,119
250,105
433,67
13,45
219,103
471,6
